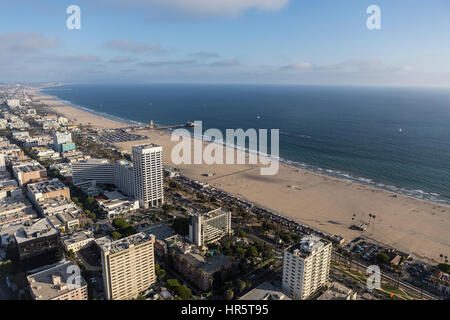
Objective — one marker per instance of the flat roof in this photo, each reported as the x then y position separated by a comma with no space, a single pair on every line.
125,243
52,282
40,228
47,186
161,231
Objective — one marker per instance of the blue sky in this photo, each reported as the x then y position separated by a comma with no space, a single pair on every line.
227,41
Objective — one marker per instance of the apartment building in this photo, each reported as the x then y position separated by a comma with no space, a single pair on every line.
209,227
306,267
128,266
148,174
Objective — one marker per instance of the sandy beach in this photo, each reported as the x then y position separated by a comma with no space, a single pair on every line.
412,225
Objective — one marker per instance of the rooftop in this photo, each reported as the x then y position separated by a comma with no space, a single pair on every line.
28,167
145,146
77,237
126,243
338,292
40,228
53,282
209,264
265,291
161,231
46,186
307,246
210,214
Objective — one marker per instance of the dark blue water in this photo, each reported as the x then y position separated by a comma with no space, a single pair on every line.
341,131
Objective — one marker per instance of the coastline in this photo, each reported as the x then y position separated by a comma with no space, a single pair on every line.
327,203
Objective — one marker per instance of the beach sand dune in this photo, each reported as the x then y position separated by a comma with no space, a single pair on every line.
418,227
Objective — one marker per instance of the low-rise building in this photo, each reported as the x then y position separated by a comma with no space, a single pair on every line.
15,210
77,241
47,189
28,172
60,282
37,244
265,291
199,269
338,291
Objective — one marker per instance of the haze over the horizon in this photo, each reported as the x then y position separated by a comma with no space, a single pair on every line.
229,41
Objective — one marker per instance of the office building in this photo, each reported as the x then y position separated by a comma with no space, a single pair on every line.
58,283
128,266
209,227
148,175
124,177
306,267
99,170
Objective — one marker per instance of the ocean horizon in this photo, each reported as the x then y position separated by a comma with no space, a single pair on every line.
397,139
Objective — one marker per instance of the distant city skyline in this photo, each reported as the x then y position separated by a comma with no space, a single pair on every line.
246,41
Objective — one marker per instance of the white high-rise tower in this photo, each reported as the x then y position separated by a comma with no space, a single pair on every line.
148,175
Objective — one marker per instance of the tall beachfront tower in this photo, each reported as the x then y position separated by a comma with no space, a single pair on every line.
128,266
148,175
306,267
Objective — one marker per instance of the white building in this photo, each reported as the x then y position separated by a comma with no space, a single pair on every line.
78,241
209,227
124,177
13,103
100,170
59,138
148,174
306,267
2,162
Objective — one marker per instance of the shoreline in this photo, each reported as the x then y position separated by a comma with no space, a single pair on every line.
337,174
324,202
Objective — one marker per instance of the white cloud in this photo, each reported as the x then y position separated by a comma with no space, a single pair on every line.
227,8
126,44
299,66
23,43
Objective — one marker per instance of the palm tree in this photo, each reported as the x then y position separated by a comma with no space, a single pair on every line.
441,256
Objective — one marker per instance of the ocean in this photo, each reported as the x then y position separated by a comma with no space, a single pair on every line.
392,138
